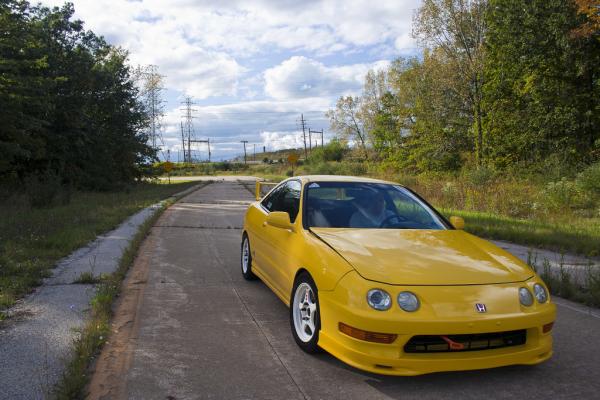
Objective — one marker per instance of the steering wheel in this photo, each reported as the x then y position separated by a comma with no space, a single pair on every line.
389,218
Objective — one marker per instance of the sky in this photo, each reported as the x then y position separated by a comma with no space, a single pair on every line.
253,67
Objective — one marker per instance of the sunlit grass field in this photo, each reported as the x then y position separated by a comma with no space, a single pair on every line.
32,239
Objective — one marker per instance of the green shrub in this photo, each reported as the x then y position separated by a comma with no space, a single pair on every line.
479,176
332,151
44,190
357,168
589,180
560,195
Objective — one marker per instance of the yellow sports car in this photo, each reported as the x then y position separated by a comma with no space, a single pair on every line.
381,280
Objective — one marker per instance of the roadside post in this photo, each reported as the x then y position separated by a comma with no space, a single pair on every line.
293,159
168,167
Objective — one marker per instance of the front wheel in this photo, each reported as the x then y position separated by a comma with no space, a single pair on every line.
246,259
304,313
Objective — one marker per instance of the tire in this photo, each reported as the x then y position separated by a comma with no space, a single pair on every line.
246,259
305,315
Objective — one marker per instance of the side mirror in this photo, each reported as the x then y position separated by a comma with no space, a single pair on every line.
280,219
457,222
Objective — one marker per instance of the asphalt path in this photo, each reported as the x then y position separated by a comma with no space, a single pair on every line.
195,329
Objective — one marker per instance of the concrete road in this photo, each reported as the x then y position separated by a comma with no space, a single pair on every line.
189,327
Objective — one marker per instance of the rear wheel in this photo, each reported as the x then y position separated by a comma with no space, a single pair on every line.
246,259
305,317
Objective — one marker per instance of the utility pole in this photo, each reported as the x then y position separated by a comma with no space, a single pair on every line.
208,143
321,132
244,141
303,123
254,157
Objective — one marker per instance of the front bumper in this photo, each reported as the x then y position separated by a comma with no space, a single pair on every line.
437,316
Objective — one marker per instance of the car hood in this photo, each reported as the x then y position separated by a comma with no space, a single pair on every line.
424,257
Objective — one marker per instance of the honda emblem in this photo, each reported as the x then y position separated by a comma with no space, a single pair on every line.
480,307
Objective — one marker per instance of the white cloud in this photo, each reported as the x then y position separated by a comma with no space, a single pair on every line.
232,51
300,77
281,140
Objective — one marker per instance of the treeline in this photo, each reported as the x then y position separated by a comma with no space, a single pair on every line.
69,108
510,85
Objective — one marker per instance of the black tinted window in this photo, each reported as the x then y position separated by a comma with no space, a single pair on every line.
366,205
285,198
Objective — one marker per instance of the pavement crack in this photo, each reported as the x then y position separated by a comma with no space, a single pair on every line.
197,227
262,332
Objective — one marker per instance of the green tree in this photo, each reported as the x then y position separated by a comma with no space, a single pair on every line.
347,120
68,105
423,123
457,28
542,92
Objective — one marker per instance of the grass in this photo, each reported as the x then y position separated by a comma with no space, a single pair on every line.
88,278
561,283
581,236
32,239
97,329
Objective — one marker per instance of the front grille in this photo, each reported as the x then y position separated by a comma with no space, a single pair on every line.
471,342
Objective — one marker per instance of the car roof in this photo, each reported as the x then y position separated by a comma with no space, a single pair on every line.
340,178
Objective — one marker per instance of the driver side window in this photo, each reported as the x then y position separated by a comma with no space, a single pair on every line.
285,198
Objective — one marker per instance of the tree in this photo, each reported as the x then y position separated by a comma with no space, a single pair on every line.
371,100
68,105
457,28
346,120
429,120
591,25
542,92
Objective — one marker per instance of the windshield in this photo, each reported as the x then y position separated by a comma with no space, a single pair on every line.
366,205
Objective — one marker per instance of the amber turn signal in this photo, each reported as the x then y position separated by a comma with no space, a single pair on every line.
367,336
548,327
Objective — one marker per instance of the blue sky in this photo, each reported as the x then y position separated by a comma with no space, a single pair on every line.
253,67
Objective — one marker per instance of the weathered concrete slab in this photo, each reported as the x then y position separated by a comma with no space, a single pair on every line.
577,267
37,339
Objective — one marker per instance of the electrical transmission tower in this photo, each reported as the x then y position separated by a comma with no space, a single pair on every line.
187,131
151,89
187,128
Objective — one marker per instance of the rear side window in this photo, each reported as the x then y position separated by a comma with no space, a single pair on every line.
285,198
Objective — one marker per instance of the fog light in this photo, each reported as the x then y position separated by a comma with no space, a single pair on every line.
525,297
367,336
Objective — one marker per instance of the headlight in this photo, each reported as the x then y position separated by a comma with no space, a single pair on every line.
379,299
525,297
540,293
408,301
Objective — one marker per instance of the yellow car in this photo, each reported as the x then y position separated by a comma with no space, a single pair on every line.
378,278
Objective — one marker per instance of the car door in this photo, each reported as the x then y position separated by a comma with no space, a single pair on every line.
260,254
278,242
